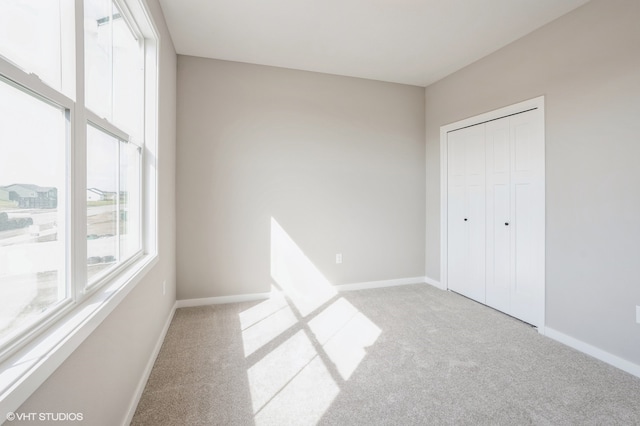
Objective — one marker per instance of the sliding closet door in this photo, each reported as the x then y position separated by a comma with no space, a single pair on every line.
466,212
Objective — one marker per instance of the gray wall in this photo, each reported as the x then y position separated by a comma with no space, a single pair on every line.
587,64
100,378
338,162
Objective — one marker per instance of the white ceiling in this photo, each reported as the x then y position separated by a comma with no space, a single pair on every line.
404,41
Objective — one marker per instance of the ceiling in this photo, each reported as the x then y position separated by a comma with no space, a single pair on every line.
404,41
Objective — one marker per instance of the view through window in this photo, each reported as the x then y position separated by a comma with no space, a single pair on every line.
32,214
42,125
113,201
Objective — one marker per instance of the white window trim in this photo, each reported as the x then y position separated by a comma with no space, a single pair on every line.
26,369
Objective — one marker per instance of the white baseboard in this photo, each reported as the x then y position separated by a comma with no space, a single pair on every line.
205,301
147,370
593,351
434,283
379,284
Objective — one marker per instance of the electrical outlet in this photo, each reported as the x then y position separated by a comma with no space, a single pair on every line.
338,257
164,287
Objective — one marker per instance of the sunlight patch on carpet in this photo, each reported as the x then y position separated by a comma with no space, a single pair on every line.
311,351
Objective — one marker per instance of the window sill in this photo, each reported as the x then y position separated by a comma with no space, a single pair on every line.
23,372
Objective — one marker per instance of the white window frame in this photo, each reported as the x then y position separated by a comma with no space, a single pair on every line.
42,349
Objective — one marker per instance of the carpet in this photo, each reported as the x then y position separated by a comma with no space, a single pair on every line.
409,355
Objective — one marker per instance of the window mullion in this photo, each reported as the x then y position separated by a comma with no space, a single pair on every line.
69,48
118,195
79,165
111,56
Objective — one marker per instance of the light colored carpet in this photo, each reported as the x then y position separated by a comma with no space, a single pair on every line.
393,356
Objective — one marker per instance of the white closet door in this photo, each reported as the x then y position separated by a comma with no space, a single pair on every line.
494,247
466,212
499,271
515,216
527,217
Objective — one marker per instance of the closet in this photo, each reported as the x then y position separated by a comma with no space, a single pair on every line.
495,213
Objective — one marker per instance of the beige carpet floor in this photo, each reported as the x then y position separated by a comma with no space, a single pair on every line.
394,356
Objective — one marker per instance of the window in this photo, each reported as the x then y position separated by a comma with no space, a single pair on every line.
33,255
114,65
114,76
77,172
113,202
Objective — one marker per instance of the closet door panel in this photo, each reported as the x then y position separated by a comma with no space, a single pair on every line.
527,211
457,232
458,252
524,281
477,250
475,168
466,212
499,251
498,215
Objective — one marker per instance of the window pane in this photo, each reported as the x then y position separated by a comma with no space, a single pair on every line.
32,208
30,37
102,201
128,78
97,56
114,67
130,163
